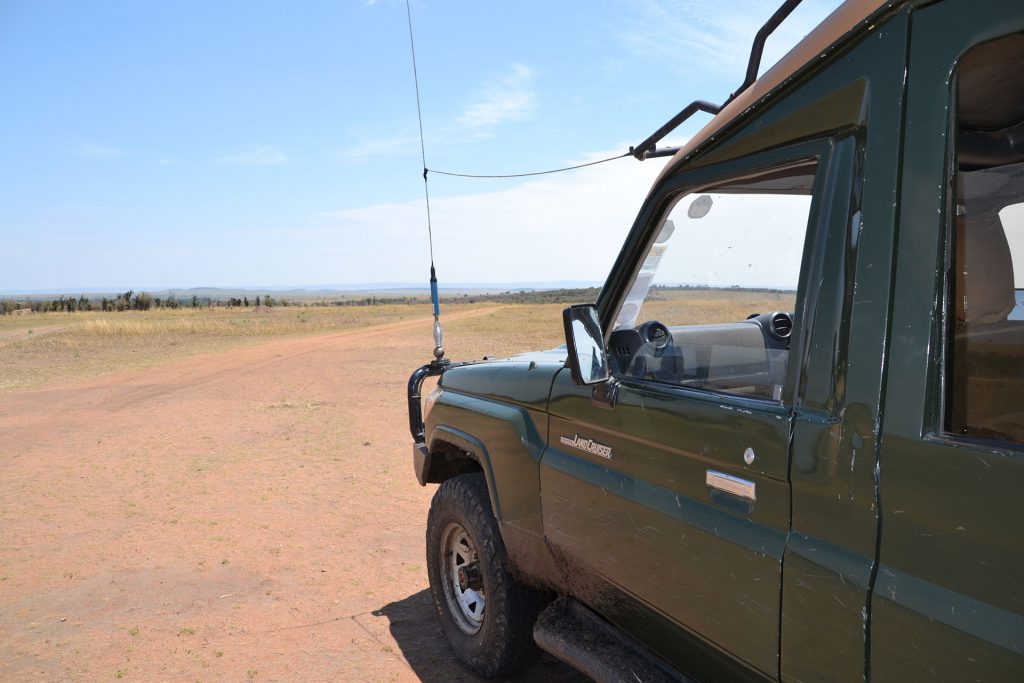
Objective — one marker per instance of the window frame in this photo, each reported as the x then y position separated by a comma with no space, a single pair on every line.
939,412
687,182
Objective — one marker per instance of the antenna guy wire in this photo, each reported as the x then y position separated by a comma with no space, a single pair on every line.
423,149
524,175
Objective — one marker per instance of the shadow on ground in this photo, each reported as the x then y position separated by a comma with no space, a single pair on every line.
414,627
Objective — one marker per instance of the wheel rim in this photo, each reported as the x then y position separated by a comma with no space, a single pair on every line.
460,576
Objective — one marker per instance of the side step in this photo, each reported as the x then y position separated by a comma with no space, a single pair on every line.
576,635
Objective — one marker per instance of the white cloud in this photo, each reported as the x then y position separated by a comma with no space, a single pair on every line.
503,99
256,155
507,98
568,227
92,150
700,34
564,227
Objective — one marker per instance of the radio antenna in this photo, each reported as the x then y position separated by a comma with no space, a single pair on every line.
434,298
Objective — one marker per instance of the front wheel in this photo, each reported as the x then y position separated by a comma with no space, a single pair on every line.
486,616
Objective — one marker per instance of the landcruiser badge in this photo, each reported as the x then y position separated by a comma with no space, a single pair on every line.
588,445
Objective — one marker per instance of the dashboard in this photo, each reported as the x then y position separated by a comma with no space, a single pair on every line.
746,357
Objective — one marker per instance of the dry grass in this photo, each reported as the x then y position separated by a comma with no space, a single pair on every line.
516,328
260,322
52,348
511,329
702,307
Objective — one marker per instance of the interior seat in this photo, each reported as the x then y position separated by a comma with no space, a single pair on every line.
988,349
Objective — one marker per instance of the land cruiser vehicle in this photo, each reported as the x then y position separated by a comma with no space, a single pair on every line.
788,440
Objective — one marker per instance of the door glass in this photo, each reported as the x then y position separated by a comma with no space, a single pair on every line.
711,304
985,378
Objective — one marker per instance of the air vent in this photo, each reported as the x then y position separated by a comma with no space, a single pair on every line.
782,325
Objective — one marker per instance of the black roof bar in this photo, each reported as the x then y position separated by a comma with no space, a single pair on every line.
661,152
643,150
648,148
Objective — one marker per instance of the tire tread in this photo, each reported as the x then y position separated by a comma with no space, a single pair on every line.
507,642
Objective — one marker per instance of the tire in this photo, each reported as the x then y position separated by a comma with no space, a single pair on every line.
485,614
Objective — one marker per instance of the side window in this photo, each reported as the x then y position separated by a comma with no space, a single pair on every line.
985,367
711,304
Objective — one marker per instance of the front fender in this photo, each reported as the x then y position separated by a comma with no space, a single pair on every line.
443,436
507,441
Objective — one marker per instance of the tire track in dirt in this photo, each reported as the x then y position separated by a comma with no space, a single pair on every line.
126,389
185,521
218,363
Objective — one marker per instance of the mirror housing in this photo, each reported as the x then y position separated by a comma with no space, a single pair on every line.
584,342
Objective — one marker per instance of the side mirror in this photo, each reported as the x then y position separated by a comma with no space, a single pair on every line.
588,358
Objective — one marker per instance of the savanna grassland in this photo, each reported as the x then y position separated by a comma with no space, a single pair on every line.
227,494
43,348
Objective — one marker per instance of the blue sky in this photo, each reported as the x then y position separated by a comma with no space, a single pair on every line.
153,145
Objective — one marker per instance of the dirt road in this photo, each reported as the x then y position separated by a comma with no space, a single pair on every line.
244,515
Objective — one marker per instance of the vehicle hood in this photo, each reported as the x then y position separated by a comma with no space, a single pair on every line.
524,379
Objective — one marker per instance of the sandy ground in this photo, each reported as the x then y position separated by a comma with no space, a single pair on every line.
247,515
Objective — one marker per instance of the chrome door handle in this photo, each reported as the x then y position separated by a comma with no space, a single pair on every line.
730,484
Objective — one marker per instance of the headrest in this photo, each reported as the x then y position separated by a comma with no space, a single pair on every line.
984,288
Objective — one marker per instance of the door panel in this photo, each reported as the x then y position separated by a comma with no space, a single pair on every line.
831,554
676,495
949,596
646,521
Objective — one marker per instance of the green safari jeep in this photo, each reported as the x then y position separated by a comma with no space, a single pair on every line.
788,440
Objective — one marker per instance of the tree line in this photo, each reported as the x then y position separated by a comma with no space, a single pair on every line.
144,301
544,296
130,301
